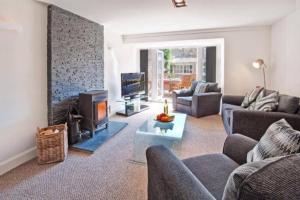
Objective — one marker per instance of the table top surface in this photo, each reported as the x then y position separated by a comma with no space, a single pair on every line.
172,130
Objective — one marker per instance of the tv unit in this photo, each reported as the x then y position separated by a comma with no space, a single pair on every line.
132,84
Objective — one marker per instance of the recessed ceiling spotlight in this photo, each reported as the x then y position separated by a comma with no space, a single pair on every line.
179,3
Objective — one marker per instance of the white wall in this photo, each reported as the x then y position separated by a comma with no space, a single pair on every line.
242,47
285,53
118,58
23,80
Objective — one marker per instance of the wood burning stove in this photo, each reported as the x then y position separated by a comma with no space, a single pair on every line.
94,109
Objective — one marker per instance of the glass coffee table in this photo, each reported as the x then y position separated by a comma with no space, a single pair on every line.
153,132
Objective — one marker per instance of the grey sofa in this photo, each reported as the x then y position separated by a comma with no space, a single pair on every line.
255,123
200,105
204,177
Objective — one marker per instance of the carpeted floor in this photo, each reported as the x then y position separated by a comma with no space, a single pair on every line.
108,173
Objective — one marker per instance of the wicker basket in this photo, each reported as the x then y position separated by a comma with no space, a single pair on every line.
52,144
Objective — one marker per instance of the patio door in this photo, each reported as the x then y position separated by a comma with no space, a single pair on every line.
160,74
152,61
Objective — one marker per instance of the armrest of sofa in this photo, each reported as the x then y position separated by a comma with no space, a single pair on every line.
169,178
255,123
237,146
234,100
206,104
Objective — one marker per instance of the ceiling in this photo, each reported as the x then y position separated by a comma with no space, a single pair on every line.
148,16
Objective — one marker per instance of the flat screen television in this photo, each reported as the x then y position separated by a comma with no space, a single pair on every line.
132,84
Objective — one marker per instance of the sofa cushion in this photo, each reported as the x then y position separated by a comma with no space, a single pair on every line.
274,178
212,171
280,139
288,104
187,101
251,96
268,103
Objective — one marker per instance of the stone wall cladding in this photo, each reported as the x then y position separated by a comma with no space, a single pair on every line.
75,60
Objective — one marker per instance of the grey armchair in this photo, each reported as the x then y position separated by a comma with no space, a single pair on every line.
199,105
205,177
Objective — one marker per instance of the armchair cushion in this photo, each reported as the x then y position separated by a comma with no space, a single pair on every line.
200,88
212,171
185,100
212,87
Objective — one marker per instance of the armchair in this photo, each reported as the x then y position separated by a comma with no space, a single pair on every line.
197,105
205,177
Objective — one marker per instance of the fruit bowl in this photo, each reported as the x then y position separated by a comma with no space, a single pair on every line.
164,118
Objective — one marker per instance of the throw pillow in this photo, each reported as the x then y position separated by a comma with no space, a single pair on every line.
200,88
280,139
251,96
267,103
260,96
240,174
288,104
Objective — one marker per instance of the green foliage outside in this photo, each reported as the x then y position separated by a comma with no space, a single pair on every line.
168,60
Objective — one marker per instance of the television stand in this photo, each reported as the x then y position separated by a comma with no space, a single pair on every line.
132,105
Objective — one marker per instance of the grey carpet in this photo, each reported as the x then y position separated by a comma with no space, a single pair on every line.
108,173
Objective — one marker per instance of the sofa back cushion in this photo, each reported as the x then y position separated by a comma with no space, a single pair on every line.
274,178
288,104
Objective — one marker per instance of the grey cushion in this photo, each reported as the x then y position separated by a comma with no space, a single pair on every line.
212,171
187,101
278,180
251,96
212,87
194,85
280,139
288,104
298,112
240,174
268,103
200,88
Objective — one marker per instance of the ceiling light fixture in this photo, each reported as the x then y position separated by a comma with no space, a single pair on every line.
179,3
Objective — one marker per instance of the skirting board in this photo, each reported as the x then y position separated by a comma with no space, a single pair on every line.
17,160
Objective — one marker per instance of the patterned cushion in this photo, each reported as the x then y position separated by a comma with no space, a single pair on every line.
268,103
288,104
280,139
201,88
252,105
251,96
239,175
273,178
